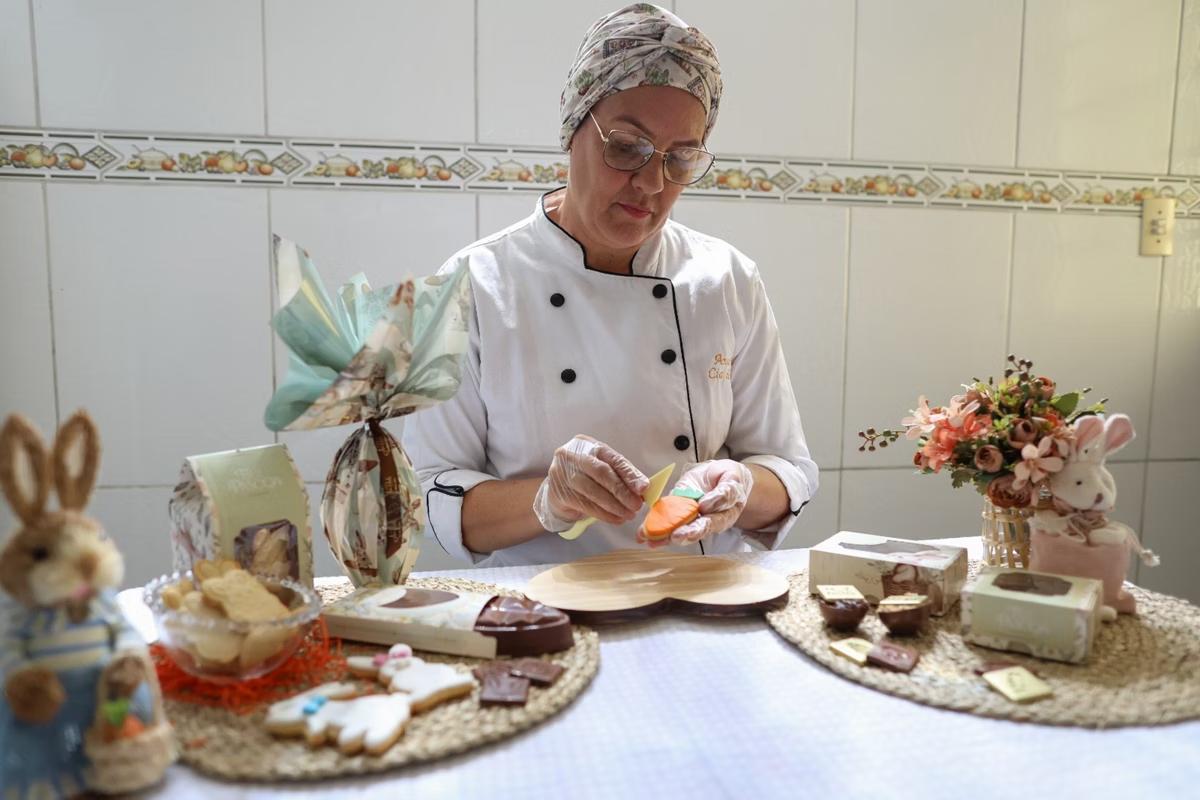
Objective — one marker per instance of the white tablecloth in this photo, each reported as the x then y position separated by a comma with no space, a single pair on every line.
699,708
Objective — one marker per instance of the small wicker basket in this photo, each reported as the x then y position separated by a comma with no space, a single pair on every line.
1005,535
136,762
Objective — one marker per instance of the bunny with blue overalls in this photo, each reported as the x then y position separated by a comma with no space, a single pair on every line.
60,623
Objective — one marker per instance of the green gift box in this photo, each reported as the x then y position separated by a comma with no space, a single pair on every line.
249,505
1036,613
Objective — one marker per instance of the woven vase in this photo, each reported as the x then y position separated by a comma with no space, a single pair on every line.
1005,535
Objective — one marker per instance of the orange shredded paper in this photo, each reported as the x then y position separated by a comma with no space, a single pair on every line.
318,659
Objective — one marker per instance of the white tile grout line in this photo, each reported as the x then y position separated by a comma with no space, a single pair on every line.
475,57
50,301
849,217
1020,84
1162,283
1012,275
853,80
1175,93
262,7
271,293
37,97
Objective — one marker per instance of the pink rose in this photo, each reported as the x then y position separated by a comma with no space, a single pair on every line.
1002,493
989,458
1022,433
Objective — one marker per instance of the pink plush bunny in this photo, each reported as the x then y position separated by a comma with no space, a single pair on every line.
1076,537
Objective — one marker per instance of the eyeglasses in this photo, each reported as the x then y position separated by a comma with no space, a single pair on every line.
629,152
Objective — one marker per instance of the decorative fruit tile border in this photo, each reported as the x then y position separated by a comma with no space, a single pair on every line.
1126,193
408,166
1064,191
981,187
40,154
864,182
85,155
518,168
212,160
745,177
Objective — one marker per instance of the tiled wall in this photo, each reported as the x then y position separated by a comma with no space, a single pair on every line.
926,186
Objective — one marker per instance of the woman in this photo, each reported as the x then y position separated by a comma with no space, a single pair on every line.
609,342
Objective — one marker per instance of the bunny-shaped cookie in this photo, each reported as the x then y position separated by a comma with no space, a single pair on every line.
61,626
1076,537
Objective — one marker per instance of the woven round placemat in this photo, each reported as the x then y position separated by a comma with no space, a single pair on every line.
229,745
1143,670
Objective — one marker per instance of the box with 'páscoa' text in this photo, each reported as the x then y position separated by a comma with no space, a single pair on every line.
248,505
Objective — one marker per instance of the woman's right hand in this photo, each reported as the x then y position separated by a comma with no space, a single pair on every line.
588,478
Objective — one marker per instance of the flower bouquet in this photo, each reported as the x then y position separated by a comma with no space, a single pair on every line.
1005,438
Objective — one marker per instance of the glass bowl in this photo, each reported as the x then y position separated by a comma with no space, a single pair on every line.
209,646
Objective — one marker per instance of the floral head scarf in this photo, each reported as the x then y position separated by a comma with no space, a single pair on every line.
639,45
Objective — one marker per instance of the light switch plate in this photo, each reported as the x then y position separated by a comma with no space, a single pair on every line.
1158,226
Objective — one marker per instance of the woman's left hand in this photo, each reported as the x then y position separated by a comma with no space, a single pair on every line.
726,485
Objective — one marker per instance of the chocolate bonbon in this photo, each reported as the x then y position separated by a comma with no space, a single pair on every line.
843,615
904,616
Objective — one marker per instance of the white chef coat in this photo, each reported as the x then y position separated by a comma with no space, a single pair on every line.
678,362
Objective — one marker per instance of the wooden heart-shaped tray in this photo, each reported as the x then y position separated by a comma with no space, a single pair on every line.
632,584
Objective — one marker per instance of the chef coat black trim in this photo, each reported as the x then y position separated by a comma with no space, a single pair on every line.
683,363
582,249
450,489
796,513
675,308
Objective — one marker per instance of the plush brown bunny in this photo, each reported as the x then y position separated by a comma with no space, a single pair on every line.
61,625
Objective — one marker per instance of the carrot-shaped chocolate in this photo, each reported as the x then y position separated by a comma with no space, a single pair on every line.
669,513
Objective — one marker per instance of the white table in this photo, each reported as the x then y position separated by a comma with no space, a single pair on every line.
699,708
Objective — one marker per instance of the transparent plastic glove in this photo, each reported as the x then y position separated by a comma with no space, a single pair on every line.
726,485
588,478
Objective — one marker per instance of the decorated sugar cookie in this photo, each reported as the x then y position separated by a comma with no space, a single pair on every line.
332,713
670,512
381,666
427,685
288,717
